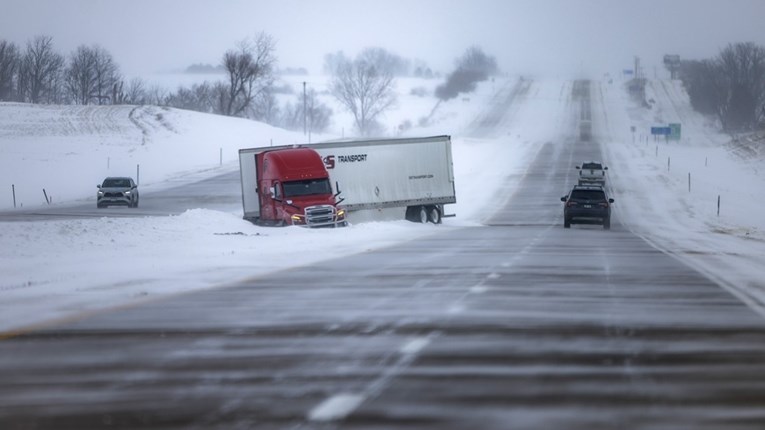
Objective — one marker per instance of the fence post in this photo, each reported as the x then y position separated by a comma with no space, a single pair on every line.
46,196
221,157
13,189
138,174
718,205
689,182
668,164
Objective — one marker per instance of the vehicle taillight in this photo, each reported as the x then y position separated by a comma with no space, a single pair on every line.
604,204
570,204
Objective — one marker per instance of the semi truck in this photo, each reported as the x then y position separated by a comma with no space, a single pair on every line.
411,178
287,186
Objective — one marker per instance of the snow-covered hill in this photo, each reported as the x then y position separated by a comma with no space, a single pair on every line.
67,150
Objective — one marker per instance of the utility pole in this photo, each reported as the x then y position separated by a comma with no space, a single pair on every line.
304,112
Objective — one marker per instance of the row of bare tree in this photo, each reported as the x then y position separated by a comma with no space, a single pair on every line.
39,74
730,86
471,68
363,85
90,75
248,91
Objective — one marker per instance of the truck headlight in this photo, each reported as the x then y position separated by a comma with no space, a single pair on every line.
341,213
127,193
297,219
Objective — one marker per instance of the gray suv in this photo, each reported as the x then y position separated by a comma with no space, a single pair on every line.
117,191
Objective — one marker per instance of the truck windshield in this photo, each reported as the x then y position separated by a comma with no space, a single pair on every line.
307,187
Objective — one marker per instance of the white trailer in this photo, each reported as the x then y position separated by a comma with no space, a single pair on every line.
414,175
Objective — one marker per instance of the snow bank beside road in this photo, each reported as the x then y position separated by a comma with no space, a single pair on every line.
62,268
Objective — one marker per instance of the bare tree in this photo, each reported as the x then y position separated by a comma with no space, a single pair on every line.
40,73
317,114
385,60
107,75
135,93
702,82
157,95
334,60
79,77
93,77
730,86
200,98
9,65
744,66
250,73
265,108
472,67
363,89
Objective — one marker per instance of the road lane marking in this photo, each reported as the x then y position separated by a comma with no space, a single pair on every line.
455,309
339,406
421,283
478,289
414,346
336,407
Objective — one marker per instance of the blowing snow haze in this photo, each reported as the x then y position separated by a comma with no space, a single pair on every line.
550,37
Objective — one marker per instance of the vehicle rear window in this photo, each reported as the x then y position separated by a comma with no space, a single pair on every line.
592,166
591,195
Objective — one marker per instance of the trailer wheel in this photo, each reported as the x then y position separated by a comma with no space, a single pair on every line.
423,216
434,215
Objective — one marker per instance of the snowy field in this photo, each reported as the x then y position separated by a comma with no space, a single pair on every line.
67,269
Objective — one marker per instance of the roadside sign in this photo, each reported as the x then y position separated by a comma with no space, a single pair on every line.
660,131
674,132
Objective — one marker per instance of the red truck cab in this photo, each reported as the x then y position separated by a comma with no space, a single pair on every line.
294,189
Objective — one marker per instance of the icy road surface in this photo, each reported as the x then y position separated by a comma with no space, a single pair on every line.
517,323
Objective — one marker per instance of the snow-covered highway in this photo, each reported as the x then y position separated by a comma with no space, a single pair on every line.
501,320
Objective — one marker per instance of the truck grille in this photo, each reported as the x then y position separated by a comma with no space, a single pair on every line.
319,216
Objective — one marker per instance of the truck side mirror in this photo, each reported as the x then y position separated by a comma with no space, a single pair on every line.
272,192
563,199
577,167
605,168
337,187
98,186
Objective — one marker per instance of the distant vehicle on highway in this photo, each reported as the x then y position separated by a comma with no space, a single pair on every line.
587,204
117,191
592,173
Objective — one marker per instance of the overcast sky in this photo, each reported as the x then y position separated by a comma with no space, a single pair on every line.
552,37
